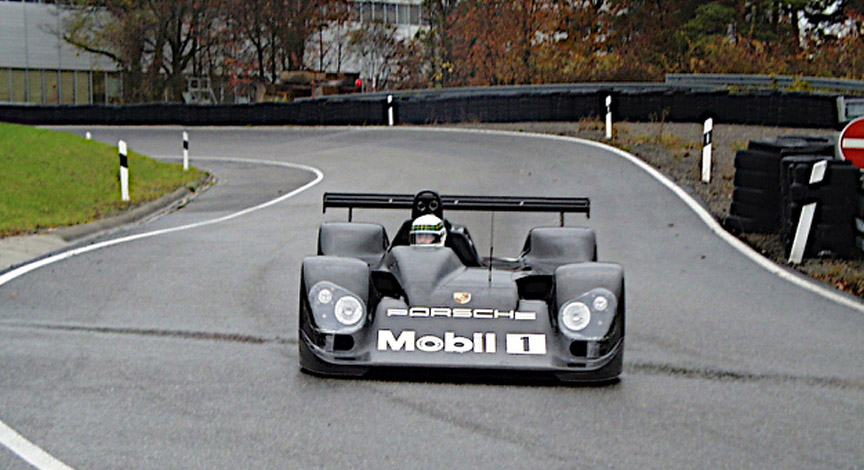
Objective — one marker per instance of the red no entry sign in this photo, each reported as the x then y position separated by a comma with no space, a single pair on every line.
852,142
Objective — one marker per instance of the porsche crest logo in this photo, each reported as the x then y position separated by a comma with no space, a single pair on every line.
462,298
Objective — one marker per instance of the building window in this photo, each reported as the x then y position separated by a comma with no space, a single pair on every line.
414,17
377,11
395,13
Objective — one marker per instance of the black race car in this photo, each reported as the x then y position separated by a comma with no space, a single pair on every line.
369,305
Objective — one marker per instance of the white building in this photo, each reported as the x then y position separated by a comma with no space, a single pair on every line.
38,67
332,50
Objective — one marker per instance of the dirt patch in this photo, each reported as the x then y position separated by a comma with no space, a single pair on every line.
676,150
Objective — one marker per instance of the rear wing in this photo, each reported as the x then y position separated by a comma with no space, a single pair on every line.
561,205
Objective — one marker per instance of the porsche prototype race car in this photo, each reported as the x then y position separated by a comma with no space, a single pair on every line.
368,304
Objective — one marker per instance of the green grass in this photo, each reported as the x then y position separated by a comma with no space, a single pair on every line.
53,179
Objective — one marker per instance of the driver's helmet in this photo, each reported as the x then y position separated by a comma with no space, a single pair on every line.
427,230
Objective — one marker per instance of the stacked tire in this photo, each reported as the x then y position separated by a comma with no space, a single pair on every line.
837,197
756,199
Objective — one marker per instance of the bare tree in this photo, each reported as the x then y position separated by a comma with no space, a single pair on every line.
153,42
381,49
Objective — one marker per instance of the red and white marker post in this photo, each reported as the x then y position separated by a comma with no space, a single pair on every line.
851,143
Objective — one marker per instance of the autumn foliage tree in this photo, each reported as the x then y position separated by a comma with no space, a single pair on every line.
468,42
543,41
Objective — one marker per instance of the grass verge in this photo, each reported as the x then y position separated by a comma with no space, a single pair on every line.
53,179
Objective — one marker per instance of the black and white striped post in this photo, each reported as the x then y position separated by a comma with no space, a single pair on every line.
608,117
390,117
805,221
185,151
124,171
707,140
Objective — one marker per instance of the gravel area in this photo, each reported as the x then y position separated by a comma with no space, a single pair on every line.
675,149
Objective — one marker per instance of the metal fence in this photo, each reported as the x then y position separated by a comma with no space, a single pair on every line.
764,81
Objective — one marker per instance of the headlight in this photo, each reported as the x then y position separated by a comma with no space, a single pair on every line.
576,316
325,296
600,303
589,316
348,310
335,310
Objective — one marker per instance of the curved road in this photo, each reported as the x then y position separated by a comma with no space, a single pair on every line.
179,350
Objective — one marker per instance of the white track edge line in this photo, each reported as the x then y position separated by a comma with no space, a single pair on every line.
28,451
704,215
18,444
43,461
796,279
20,271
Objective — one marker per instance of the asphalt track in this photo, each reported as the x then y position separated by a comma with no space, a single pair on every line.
179,350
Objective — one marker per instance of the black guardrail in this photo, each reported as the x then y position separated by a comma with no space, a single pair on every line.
631,102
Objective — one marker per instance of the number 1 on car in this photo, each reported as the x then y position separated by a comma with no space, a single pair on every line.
526,343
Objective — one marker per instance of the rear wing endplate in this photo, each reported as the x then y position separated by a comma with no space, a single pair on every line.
561,205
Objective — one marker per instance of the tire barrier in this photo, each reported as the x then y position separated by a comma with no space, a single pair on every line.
756,199
795,186
633,102
836,195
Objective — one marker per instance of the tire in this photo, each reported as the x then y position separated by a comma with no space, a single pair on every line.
795,145
738,223
838,173
839,242
755,179
838,196
838,216
830,229
766,216
758,160
826,238
757,197
799,167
